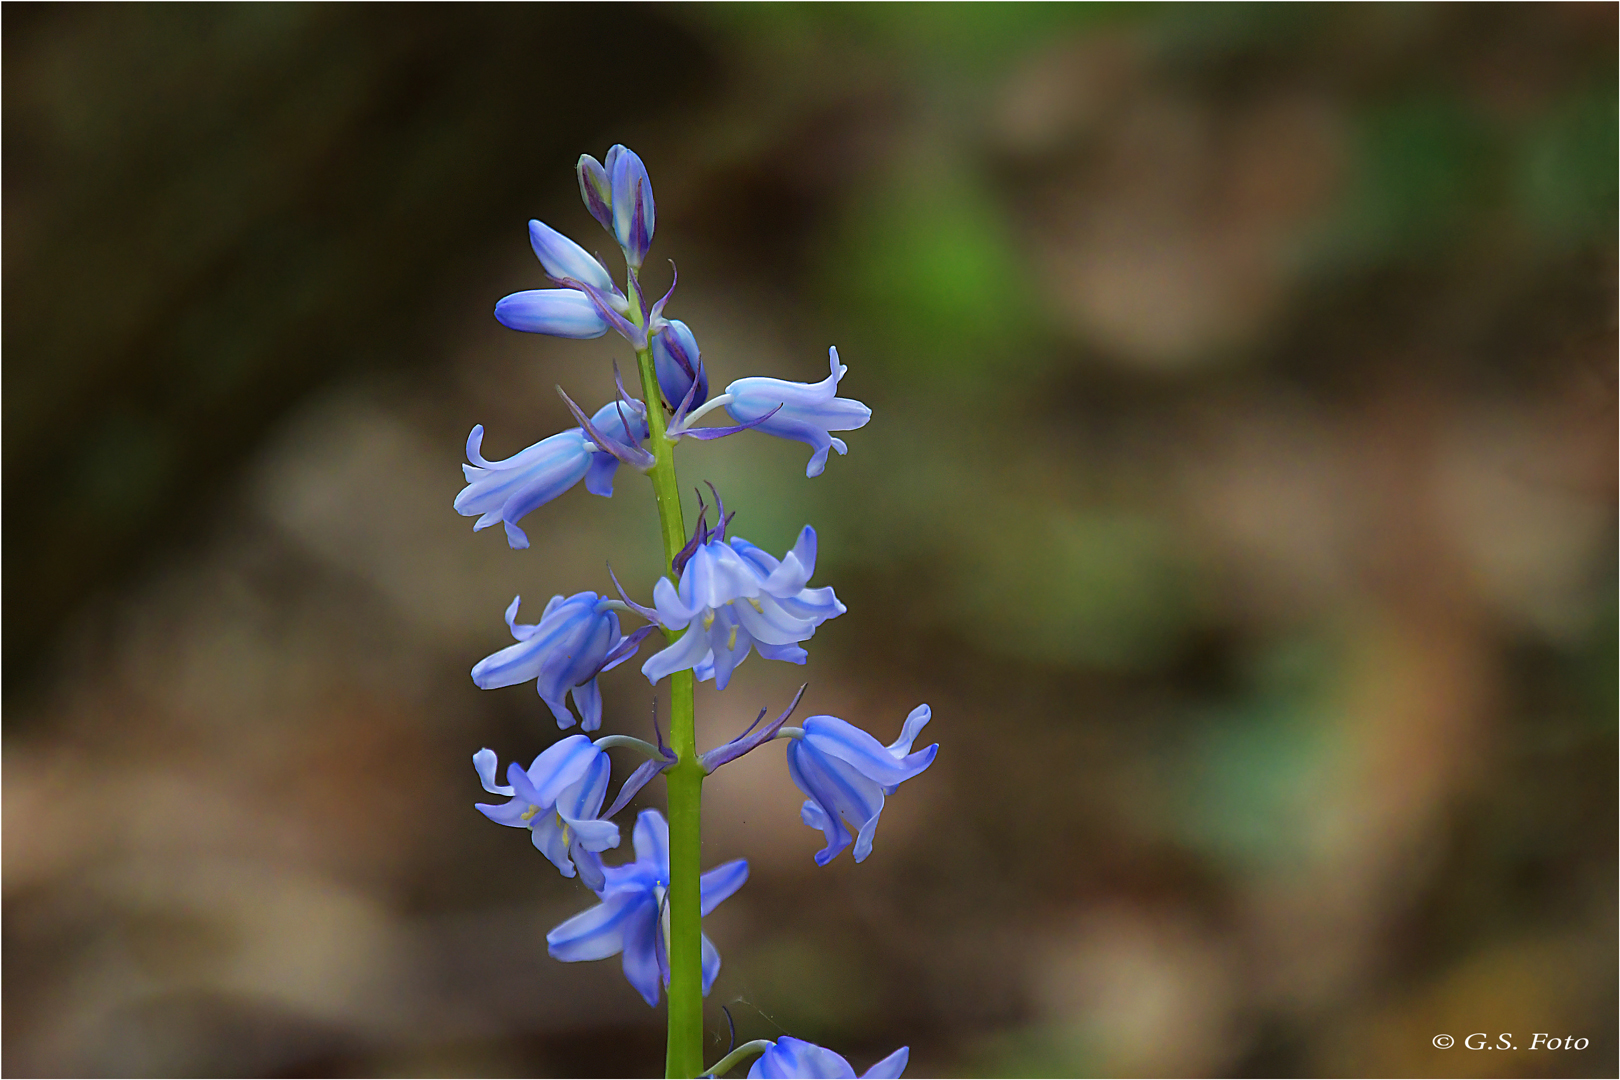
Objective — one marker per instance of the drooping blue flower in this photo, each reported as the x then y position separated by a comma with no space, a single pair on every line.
733,597
846,773
791,1057
679,365
558,799
805,412
632,918
575,640
504,491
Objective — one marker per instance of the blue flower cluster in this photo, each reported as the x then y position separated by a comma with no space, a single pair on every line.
721,599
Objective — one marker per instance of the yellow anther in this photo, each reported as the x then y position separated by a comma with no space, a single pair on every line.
757,605
708,619
528,814
731,639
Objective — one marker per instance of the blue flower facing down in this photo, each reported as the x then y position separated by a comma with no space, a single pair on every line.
575,640
504,491
805,412
679,365
791,1057
846,773
733,597
632,917
557,799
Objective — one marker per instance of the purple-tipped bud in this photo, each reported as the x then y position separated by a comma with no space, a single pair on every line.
596,189
679,364
634,215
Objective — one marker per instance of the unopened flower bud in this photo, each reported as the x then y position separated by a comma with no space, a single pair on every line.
634,214
679,364
596,189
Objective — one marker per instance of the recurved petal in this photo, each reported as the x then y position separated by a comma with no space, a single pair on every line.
890,1068
718,884
864,838
509,666
687,651
558,312
671,608
485,762
848,743
915,722
588,700
596,933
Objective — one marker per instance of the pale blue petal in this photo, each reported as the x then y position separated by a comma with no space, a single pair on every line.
651,839
558,312
711,964
641,934
891,1067
718,884
485,762
547,832
562,763
594,934
690,648
563,258
846,742
915,722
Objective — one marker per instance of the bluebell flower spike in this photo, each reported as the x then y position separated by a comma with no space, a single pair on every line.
734,597
796,1058
628,919
630,453
558,799
563,653
596,190
846,774
755,736
804,412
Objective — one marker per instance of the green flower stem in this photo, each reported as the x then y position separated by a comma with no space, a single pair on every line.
738,1056
684,780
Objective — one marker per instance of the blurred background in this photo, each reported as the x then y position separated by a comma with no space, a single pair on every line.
1241,494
